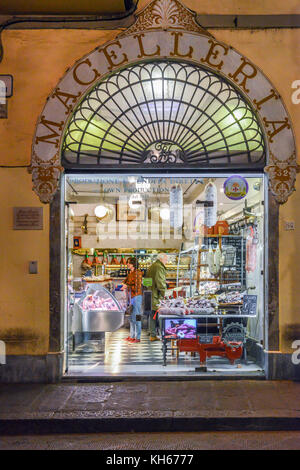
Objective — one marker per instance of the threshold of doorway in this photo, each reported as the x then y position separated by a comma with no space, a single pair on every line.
163,378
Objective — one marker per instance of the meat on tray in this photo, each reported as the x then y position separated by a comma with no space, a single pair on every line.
231,298
94,302
181,331
179,307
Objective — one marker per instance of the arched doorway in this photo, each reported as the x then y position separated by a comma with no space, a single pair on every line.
157,116
258,133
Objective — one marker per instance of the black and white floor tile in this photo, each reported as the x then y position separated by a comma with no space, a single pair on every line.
114,356
116,348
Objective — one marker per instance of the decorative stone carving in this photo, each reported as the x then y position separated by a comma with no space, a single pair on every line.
45,177
166,14
282,176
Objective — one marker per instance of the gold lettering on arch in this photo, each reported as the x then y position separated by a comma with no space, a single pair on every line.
54,133
175,51
80,81
272,94
213,53
141,46
111,55
240,71
276,130
64,98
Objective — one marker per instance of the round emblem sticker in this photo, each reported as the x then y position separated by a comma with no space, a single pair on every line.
236,187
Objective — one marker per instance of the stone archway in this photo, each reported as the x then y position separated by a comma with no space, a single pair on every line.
165,29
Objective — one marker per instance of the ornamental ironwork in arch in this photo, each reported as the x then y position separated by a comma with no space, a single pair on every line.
164,113
166,30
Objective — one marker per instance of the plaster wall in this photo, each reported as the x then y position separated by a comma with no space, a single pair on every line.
24,297
37,59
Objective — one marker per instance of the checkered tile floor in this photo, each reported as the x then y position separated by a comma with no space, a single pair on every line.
118,350
118,357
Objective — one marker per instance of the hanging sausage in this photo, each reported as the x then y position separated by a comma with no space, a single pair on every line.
176,207
214,260
210,209
251,247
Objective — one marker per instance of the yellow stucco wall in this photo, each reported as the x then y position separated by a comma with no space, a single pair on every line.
37,59
289,272
24,297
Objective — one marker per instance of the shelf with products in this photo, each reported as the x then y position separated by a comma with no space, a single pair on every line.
168,266
237,304
116,259
113,262
218,259
120,271
204,307
233,265
119,252
97,279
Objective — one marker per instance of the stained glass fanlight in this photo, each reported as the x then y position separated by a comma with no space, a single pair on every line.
164,112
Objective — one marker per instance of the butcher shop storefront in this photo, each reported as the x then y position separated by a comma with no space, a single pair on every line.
206,234
165,155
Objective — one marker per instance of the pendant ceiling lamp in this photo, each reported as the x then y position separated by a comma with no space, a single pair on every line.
103,211
164,213
159,213
210,208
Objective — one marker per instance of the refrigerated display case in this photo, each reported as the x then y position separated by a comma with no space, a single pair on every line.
98,311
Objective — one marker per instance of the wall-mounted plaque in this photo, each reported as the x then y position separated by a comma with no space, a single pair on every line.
28,218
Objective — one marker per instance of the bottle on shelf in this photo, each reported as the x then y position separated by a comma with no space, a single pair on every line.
114,260
96,260
86,263
105,258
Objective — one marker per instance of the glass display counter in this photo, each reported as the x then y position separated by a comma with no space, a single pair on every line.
97,310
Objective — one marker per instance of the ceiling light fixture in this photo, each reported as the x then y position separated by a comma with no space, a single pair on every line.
164,213
101,211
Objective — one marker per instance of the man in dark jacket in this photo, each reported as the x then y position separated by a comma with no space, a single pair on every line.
157,272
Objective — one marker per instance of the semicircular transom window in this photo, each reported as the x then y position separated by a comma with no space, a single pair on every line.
160,113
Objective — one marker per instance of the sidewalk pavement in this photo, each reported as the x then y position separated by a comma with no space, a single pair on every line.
150,407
